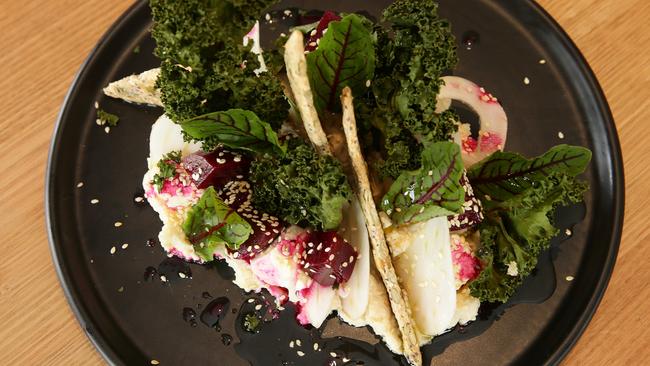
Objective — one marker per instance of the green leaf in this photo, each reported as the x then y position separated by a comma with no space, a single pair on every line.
431,191
234,128
108,119
211,223
505,174
166,168
345,57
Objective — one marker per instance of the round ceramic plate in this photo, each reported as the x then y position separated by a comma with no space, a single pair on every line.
133,317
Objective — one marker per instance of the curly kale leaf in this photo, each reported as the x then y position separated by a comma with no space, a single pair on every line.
205,67
517,230
166,168
411,58
301,187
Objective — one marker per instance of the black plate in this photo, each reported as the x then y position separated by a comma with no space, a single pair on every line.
132,321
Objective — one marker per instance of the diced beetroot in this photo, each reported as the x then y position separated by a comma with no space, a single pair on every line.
472,214
266,229
317,33
215,168
328,258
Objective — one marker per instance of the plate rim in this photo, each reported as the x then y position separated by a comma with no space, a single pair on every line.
100,343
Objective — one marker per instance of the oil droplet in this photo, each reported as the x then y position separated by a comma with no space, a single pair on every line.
470,39
215,311
226,339
150,273
189,314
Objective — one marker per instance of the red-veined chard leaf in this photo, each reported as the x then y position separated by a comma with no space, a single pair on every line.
316,33
345,57
505,174
234,128
431,191
211,223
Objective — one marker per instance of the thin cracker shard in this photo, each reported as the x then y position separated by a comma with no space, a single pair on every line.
296,65
380,251
139,89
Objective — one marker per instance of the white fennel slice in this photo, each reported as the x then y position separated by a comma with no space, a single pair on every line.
425,271
166,136
354,293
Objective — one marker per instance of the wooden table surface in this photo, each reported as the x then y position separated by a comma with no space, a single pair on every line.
43,44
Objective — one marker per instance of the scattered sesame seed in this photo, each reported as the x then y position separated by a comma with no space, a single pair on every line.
182,275
345,359
300,353
569,278
163,278
333,354
113,250
125,245
139,199
94,201
107,129
80,184
542,62
250,301
267,16
368,82
568,232
117,224
96,104
258,307
526,80
560,134
298,342
331,257
291,344
155,362
315,346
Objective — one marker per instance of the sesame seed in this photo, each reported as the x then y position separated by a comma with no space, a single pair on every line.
351,258
300,353
526,80
569,278
258,307
327,250
568,232
155,362
345,359
107,129
182,275
267,16
331,257
542,62
117,224
560,135
125,245
80,184
291,344
250,301
298,342
139,199
163,278
121,289
96,104
345,264
333,354
320,246
94,201
112,250
315,346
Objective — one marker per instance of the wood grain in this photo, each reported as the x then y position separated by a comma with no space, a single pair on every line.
43,43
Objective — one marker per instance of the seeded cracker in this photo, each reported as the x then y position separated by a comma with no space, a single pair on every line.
380,251
296,65
138,89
